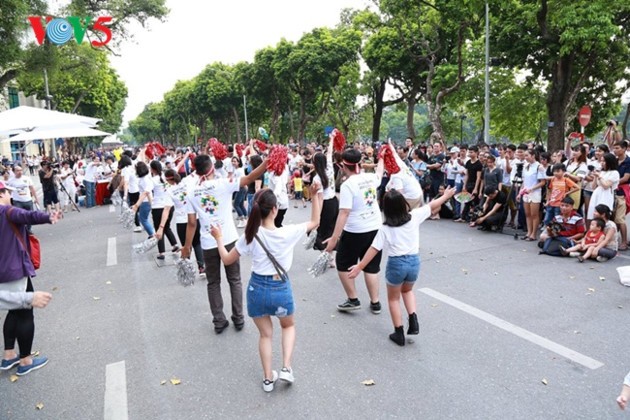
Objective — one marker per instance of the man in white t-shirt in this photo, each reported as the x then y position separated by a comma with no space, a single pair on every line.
210,200
89,181
23,194
357,224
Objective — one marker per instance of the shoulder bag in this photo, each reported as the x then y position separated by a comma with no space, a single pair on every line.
281,271
33,250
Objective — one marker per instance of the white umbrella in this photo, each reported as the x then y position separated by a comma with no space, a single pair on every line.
111,141
54,133
26,118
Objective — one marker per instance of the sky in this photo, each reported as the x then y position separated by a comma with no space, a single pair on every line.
197,33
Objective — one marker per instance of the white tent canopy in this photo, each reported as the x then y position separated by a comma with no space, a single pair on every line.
111,141
26,118
54,133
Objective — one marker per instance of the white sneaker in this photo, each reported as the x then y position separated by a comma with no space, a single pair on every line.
137,229
286,375
268,384
574,254
240,224
602,259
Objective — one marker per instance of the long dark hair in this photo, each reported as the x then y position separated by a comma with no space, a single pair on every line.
604,210
320,164
395,209
124,162
263,203
156,167
170,173
611,162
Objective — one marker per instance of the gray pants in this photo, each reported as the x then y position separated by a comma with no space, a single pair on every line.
212,261
26,205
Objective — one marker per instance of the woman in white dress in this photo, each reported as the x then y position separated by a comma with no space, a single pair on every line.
605,182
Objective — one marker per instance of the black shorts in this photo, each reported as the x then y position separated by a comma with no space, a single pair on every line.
352,247
50,198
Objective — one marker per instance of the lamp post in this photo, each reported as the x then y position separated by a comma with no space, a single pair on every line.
48,106
486,128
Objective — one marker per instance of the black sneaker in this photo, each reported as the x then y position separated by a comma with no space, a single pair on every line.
414,328
375,307
398,336
349,305
220,328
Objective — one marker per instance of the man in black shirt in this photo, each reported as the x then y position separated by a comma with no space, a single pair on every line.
435,166
47,178
493,209
472,180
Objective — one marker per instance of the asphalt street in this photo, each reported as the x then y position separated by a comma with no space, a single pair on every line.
504,334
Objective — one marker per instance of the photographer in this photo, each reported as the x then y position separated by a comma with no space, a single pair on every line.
493,210
48,177
472,181
565,229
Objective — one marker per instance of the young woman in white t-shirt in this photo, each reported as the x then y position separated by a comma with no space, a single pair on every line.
161,210
269,292
400,237
143,206
357,224
325,178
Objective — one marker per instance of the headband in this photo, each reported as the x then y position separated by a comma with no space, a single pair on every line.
356,165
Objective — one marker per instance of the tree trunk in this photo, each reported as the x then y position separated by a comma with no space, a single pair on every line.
237,124
377,109
624,126
435,112
275,118
555,111
291,123
411,110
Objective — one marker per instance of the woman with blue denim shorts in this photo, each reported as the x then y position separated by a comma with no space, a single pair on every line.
269,291
400,237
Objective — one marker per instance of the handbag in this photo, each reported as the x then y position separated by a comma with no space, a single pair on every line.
281,271
33,250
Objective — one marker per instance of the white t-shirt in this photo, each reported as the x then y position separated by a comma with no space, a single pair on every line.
160,198
280,243
588,186
278,184
145,184
358,193
405,183
227,165
22,191
90,172
129,174
212,202
532,174
330,191
178,194
402,240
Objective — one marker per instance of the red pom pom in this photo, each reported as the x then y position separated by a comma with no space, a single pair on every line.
339,141
218,149
154,149
389,159
239,148
277,160
260,145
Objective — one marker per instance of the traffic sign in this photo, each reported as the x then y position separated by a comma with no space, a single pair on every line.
584,116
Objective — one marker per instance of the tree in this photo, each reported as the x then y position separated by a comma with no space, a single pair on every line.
578,48
150,124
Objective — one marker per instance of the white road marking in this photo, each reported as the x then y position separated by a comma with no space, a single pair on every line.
112,258
116,392
112,208
518,331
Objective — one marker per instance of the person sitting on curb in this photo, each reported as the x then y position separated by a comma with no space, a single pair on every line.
565,230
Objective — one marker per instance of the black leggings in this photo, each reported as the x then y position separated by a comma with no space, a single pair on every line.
133,199
157,220
20,324
196,243
327,220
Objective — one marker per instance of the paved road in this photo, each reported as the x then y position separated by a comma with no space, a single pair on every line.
487,303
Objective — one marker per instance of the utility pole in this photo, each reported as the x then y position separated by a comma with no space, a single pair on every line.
486,128
48,106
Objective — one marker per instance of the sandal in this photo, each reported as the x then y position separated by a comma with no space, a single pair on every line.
528,239
176,248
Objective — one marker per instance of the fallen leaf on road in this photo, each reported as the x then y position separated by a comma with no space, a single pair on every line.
39,406
465,270
571,277
368,382
590,289
77,338
496,274
108,282
591,268
620,306
96,298
437,261
332,316
35,353
163,381
433,305
54,289
13,378
577,332
544,381
175,381
602,278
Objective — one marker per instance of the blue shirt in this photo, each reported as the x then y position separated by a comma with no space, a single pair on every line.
624,168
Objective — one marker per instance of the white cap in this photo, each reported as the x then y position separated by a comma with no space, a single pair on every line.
454,149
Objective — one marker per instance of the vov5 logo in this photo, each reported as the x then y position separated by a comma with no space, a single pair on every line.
59,30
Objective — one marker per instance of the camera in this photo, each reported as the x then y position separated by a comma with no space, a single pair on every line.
518,176
476,213
447,158
591,168
555,228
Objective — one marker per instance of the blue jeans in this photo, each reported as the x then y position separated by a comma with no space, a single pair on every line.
269,297
144,214
550,213
458,206
90,193
238,202
402,269
250,201
564,242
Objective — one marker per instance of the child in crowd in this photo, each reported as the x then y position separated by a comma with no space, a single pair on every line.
558,188
298,187
400,236
593,238
622,399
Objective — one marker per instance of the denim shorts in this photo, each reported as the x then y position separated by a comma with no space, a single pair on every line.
269,297
402,269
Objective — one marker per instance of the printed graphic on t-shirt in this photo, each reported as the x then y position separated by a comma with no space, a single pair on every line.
369,196
209,204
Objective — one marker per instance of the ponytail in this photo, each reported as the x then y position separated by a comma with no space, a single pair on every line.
263,203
